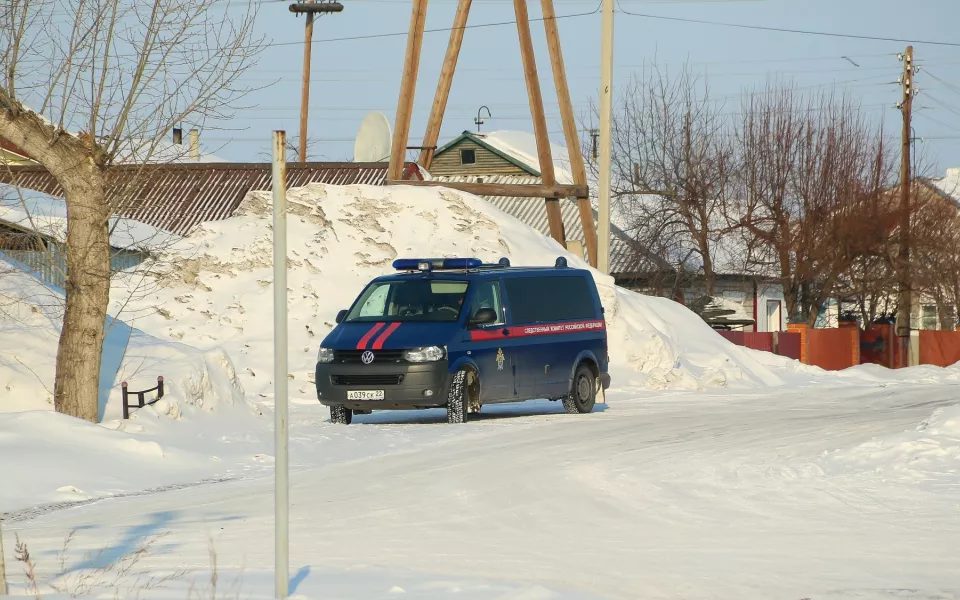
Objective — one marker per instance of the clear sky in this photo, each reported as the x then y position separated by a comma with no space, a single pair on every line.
358,58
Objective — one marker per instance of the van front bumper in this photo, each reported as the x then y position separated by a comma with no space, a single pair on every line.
404,385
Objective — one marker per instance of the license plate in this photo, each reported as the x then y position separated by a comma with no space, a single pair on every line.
365,395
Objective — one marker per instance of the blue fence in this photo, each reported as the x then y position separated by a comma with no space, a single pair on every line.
50,266
51,270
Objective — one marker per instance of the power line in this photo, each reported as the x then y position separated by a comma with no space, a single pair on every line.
374,36
433,30
949,85
943,104
938,122
786,30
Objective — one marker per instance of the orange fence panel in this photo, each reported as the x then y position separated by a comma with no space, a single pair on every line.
878,345
789,345
833,349
782,342
758,340
941,348
734,337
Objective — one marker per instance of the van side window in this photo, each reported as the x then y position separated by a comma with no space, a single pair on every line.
548,299
487,295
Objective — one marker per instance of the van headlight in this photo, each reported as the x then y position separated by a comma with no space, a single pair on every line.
325,355
424,354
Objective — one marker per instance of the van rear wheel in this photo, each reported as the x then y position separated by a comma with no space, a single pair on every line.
341,415
457,398
583,394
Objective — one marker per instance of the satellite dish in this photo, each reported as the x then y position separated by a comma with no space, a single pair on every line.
373,140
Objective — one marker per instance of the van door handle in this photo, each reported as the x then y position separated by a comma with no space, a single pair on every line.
505,331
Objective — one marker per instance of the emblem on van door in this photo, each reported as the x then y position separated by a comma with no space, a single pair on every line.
366,357
500,359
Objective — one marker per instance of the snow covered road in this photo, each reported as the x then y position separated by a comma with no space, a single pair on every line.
682,495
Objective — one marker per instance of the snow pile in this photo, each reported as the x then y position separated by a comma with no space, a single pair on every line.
75,461
30,322
47,215
950,184
215,287
930,452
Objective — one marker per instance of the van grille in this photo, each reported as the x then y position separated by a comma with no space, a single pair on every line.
379,356
366,379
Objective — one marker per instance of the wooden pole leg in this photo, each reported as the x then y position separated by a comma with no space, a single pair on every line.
408,89
443,86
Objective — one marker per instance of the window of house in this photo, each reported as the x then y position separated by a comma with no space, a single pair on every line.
468,157
951,319
928,319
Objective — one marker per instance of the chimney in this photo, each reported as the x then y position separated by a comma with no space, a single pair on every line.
576,247
177,136
194,145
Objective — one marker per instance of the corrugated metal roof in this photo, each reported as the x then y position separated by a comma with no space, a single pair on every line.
177,197
625,257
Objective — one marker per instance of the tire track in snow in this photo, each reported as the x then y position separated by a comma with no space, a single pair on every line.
40,510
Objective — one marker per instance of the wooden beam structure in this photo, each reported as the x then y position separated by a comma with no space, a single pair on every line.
515,190
439,107
535,96
549,190
408,89
577,166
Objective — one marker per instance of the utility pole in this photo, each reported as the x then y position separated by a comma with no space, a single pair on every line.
309,9
606,114
905,300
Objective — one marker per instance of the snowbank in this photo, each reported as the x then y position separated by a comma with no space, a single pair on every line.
950,184
30,322
214,288
930,452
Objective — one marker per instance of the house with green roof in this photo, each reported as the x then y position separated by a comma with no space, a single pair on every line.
497,153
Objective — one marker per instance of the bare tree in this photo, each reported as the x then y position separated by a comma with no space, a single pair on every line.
89,83
935,250
673,160
812,190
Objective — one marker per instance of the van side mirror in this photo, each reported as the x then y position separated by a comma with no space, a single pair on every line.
341,316
484,316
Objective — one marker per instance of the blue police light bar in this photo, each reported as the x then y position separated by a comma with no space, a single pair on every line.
429,264
462,263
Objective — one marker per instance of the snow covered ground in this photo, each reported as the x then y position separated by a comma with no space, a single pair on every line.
712,472
675,495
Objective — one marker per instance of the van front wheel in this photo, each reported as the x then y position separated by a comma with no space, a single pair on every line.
457,398
341,415
583,394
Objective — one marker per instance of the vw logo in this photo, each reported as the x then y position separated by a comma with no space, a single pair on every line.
367,357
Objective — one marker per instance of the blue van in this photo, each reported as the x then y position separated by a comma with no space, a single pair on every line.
458,333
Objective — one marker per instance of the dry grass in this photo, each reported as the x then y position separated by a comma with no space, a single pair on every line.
119,574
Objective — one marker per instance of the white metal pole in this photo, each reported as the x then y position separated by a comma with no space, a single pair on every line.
606,110
281,491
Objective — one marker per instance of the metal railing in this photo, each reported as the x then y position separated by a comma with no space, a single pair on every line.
141,400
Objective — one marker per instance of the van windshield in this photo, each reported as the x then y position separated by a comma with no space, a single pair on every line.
409,300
